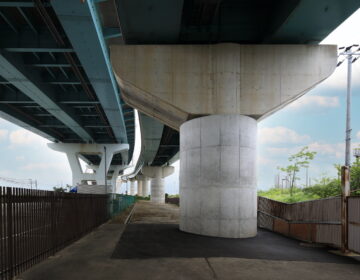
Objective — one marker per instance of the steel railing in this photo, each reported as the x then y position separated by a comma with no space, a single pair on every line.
35,224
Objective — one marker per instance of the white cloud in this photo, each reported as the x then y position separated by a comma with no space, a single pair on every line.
42,166
338,80
281,134
358,135
315,100
282,151
337,149
25,138
20,158
265,161
344,35
3,134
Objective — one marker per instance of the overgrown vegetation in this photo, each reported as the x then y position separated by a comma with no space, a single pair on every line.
324,187
137,197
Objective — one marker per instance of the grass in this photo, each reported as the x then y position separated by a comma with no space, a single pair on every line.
283,195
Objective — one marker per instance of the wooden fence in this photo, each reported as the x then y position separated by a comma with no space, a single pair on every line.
35,224
354,223
312,221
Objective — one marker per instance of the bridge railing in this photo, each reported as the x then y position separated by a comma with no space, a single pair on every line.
35,224
317,221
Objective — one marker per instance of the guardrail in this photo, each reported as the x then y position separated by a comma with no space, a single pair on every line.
35,224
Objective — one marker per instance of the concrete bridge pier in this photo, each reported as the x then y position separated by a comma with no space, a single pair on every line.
146,186
218,176
132,187
139,186
143,181
215,94
157,173
76,151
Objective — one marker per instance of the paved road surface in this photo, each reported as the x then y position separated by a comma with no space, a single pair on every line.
91,257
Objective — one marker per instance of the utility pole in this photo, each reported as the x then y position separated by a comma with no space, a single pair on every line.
307,176
351,56
105,169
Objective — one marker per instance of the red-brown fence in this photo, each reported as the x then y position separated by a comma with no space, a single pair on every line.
354,223
35,224
312,221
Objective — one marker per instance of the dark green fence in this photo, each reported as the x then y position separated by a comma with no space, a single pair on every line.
120,202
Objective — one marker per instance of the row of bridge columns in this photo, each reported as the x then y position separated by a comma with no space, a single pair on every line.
151,182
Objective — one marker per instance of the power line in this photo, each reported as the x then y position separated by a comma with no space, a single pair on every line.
27,183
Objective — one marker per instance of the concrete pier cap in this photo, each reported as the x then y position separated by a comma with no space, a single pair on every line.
233,86
175,83
76,151
157,175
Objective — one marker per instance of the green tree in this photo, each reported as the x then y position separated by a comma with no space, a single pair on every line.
297,161
59,189
355,175
324,187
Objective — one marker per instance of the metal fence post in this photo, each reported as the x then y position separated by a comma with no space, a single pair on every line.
345,187
9,231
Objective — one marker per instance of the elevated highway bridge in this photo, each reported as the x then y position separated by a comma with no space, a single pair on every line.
73,72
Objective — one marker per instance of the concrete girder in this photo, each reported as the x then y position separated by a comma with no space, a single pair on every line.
196,80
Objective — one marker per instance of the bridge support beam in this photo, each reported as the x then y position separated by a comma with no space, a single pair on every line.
157,175
74,151
218,176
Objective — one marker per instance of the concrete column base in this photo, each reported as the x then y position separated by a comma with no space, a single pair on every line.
218,176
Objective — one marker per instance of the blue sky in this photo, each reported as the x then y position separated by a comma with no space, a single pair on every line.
316,120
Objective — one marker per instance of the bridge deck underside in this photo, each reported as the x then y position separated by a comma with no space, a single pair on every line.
45,88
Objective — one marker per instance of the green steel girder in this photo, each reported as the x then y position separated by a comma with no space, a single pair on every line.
83,29
30,83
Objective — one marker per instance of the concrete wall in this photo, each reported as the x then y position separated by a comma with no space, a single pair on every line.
94,189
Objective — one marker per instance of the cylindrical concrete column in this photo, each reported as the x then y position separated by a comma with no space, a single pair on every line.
139,188
157,190
146,187
132,187
218,176
157,173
